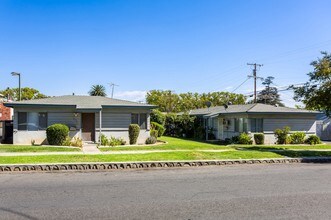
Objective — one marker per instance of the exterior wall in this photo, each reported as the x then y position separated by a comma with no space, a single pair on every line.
5,112
300,122
115,123
55,115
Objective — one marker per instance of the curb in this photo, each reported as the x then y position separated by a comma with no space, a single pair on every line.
150,165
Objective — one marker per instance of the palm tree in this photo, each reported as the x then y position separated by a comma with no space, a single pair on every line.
97,90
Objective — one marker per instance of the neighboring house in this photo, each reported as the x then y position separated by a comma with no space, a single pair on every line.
86,116
255,118
323,127
5,117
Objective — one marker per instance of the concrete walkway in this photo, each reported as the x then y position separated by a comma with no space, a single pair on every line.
90,148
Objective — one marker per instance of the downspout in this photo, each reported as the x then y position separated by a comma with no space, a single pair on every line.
100,125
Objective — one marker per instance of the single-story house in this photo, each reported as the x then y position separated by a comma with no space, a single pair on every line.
228,121
86,116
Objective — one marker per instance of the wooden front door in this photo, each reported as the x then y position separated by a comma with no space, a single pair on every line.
88,126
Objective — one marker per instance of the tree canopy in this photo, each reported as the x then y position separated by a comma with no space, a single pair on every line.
168,101
316,93
97,90
27,93
269,95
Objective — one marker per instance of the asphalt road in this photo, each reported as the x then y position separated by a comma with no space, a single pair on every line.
296,191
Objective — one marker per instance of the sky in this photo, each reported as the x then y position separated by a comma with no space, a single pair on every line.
65,46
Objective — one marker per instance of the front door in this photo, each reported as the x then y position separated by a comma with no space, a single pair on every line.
88,126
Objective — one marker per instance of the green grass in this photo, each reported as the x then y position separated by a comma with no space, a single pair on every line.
32,149
167,156
173,144
303,147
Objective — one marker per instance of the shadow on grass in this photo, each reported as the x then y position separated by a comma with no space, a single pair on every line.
287,152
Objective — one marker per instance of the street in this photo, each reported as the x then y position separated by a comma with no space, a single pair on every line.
296,191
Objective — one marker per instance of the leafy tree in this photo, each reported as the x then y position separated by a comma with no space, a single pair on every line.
169,101
315,93
269,95
27,93
97,90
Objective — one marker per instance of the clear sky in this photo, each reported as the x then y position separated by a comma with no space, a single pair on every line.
63,46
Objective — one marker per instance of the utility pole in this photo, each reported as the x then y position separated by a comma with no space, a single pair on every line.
112,90
255,76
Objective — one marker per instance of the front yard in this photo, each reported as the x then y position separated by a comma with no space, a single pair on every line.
7,148
175,149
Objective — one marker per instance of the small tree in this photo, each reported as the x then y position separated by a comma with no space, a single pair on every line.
57,134
158,117
134,131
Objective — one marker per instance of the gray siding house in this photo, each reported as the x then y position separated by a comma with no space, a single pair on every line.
255,118
86,116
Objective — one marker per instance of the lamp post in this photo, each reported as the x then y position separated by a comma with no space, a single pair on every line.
19,83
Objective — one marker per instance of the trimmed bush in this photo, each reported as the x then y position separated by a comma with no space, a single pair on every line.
158,127
134,131
298,138
154,133
245,139
282,135
235,140
313,139
151,140
259,138
57,134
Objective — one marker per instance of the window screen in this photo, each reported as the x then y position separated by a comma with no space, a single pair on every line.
256,125
22,121
42,120
143,121
134,119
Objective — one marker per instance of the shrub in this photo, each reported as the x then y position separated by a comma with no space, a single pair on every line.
157,116
298,138
159,128
57,134
77,142
134,131
154,133
235,140
113,141
150,140
244,138
313,139
226,141
67,141
104,140
282,135
259,138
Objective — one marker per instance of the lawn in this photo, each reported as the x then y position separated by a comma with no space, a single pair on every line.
32,149
172,144
190,150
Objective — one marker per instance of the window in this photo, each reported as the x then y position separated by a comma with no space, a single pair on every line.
143,121
22,121
42,120
256,124
134,119
240,125
32,121
140,119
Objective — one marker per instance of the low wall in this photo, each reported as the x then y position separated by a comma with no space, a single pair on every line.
150,165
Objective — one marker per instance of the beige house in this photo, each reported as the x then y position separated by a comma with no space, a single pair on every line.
86,116
255,118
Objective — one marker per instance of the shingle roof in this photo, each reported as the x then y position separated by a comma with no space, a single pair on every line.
248,108
81,102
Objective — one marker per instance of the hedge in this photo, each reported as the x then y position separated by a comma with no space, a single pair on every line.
134,131
57,134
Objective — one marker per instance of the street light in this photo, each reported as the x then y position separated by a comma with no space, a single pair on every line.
19,83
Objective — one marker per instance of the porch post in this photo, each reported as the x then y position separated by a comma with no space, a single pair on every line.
100,124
